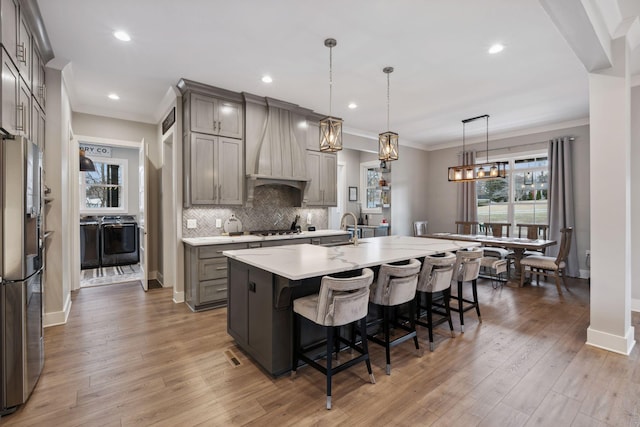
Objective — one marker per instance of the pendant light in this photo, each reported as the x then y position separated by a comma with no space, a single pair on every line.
388,141
478,171
86,164
330,127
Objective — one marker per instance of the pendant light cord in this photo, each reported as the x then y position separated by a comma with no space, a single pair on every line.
330,79
388,90
487,128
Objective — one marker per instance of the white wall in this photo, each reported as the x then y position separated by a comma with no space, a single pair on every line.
635,198
105,127
442,195
57,288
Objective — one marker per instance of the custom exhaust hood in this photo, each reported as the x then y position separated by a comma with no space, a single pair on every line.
276,141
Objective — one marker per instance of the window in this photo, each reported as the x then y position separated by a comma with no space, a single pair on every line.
370,188
105,189
521,198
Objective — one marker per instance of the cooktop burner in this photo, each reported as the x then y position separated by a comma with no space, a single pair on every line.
273,232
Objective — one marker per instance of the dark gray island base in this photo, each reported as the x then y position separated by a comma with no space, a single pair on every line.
260,313
264,282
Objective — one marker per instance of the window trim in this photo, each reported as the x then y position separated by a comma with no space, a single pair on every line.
511,203
364,167
124,163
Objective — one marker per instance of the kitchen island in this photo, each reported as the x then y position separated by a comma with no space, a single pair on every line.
263,283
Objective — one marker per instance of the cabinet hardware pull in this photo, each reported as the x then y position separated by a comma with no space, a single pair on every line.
221,268
19,112
221,290
219,126
252,286
21,53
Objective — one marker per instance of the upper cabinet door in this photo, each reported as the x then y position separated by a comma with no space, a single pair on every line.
215,116
24,51
314,164
38,78
203,111
9,17
230,176
24,110
330,179
204,188
9,95
229,117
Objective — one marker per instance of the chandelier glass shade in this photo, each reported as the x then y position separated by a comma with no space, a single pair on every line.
477,171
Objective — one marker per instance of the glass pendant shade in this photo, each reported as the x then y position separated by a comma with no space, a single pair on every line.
330,134
388,146
86,164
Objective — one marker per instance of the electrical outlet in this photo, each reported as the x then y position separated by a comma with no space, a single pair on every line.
192,223
218,223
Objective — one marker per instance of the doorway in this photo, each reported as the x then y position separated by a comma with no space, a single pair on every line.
108,213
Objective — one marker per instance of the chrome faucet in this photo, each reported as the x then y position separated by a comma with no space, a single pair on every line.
354,239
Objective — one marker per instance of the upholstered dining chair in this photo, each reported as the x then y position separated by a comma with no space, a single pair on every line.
420,228
341,301
497,229
435,277
467,269
396,285
549,266
533,232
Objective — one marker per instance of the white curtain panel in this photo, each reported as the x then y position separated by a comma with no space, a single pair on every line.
467,206
561,208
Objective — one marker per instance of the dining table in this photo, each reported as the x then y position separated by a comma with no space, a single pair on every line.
517,244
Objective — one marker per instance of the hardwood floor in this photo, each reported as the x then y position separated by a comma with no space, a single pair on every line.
128,358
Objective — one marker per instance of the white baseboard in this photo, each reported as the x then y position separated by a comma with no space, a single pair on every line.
585,274
58,317
635,305
610,342
178,297
160,278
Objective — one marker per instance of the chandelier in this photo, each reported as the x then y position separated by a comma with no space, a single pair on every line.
388,141
330,127
477,171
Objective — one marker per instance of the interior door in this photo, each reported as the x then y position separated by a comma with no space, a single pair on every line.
142,225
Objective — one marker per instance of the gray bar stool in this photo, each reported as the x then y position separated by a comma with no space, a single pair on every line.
341,301
396,285
435,277
467,269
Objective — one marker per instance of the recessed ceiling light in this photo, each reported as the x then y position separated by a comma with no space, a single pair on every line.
496,48
114,96
123,36
353,105
267,79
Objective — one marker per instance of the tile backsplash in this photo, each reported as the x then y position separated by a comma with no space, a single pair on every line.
273,208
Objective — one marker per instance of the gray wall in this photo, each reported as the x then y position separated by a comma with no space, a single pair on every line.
442,195
105,127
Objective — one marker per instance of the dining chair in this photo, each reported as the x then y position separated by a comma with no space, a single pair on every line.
498,229
467,227
549,266
341,301
420,228
533,232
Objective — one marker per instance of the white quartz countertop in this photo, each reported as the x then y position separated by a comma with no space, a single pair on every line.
246,238
296,262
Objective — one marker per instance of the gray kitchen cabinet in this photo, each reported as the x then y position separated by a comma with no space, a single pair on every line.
339,238
38,121
9,11
24,110
216,170
322,168
268,243
9,95
24,50
206,275
216,116
38,86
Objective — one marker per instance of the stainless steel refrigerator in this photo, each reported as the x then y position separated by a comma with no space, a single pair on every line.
21,264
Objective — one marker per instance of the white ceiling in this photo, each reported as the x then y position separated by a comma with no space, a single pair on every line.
443,73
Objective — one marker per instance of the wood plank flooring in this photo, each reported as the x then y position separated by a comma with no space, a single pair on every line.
129,358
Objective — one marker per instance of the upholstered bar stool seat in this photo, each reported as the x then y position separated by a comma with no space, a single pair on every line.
467,269
396,285
341,301
435,277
